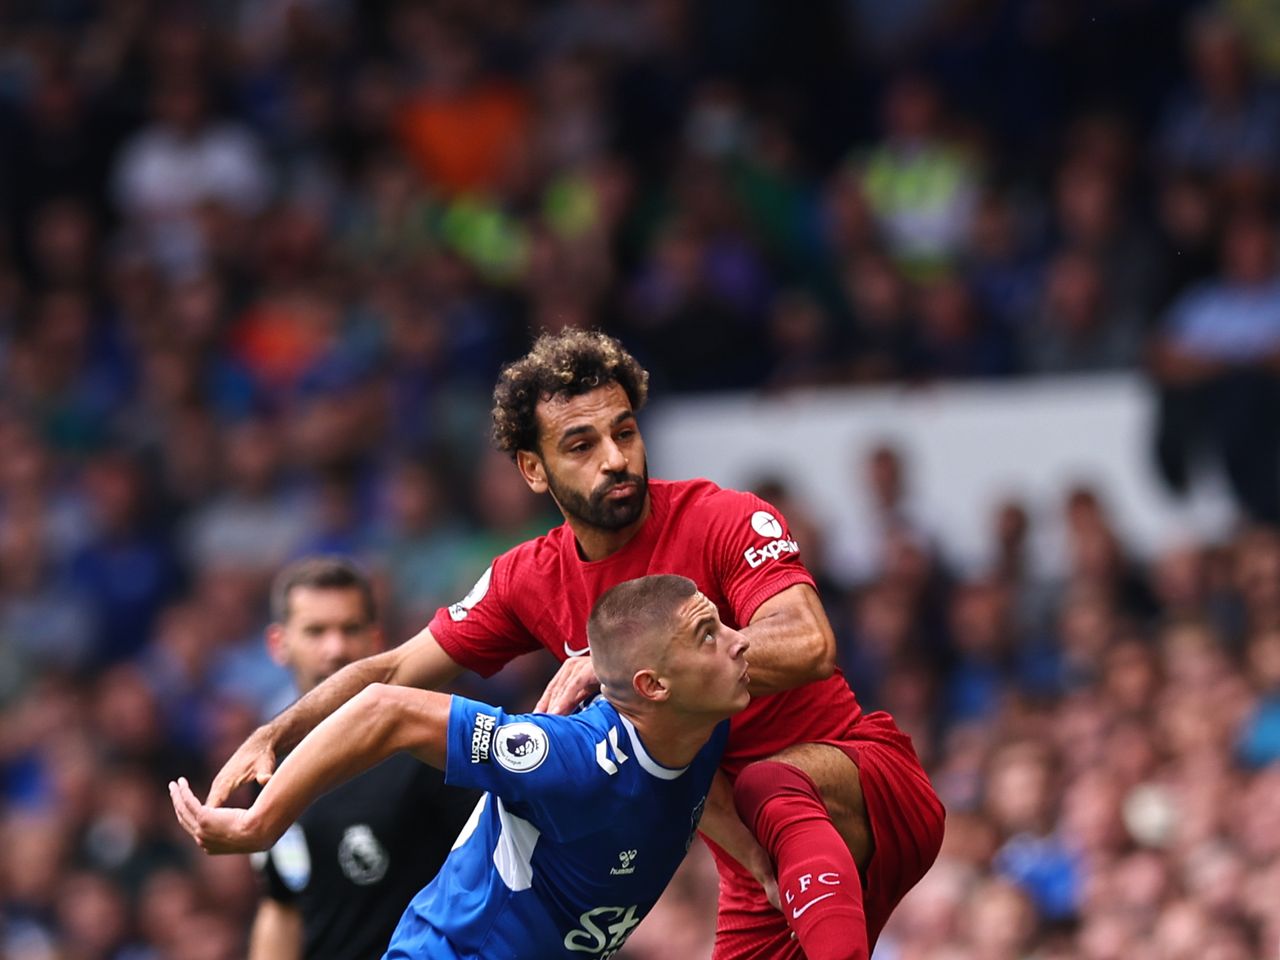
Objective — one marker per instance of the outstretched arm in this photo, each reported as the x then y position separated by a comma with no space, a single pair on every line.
791,641
418,662
376,723
791,644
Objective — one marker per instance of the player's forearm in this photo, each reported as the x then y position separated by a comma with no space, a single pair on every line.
360,734
418,662
374,724
791,641
288,729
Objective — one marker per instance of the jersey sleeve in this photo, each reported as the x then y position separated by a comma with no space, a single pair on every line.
754,553
481,632
545,763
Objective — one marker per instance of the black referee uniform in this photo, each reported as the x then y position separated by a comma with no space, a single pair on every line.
360,853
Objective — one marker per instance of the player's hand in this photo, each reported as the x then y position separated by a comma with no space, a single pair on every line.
574,682
216,829
255,760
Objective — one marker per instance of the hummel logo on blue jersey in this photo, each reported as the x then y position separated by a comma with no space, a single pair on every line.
626,859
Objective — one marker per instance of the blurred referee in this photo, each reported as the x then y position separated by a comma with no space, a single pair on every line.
337,882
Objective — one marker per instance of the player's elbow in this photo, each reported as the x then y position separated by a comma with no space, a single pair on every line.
377,712
821,656
817,645
794,621
403,718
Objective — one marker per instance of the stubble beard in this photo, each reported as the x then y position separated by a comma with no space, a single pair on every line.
594,510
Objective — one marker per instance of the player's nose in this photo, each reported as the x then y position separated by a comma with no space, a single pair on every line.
740,647
614,459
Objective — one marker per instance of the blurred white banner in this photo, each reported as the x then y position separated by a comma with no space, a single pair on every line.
966,448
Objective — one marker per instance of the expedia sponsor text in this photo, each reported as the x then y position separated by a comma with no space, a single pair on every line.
770,551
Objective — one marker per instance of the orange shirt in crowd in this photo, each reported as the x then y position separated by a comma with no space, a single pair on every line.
464,141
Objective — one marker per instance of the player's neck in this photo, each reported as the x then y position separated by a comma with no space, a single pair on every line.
671,740
596,543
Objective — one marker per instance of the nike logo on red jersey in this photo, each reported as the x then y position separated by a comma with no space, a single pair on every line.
795,914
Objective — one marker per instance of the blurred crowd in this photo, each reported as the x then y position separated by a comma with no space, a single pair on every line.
260,263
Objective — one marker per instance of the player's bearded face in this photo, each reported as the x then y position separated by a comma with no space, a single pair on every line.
597,508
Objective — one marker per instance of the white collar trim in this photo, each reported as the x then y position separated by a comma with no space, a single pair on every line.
650,765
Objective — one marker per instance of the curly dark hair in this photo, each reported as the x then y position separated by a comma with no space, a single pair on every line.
569,363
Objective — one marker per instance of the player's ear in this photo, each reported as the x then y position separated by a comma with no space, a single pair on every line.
532,470
277,646
650,686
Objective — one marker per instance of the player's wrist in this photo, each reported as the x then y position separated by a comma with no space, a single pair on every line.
260,825
273,738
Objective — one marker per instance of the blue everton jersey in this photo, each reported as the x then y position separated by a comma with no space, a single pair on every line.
577,836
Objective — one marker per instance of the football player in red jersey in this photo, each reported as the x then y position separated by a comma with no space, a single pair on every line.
838,799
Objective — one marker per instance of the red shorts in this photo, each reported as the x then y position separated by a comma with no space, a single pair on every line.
906,820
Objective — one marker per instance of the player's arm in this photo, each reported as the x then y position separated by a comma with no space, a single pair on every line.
792,642
759,569
418,662
276,933
374,724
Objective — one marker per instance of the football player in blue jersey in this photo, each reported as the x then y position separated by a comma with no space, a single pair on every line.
586,817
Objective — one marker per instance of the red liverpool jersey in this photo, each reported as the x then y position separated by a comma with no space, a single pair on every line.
733,545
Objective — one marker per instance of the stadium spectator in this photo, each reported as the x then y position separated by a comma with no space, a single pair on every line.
885,332
1215,364
127,570
261,520
1076,329
184,160
417,539
1226,123
920,184
956,340
1092,215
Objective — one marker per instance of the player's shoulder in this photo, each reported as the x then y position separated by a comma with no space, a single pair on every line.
703,499
588,721
537,552
593,723
563,748
583,726
522,572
